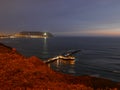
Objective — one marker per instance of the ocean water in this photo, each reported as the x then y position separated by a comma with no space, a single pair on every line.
99,56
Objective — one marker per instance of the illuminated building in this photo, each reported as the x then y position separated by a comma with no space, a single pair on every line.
31,34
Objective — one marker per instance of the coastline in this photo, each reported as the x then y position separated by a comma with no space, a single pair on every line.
19,73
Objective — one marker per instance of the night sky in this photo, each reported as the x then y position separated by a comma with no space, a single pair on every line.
61,17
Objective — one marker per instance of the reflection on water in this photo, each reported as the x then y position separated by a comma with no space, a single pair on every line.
70,62
45,46
44,53
62,65
63,62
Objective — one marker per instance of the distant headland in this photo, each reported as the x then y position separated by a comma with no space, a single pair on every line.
28,34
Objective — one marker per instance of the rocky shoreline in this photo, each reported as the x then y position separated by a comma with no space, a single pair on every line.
20,73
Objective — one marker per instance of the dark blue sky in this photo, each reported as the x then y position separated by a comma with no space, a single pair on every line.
61,17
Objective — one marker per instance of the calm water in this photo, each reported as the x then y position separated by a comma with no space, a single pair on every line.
99,57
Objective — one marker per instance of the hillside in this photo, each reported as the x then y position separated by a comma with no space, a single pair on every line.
19,73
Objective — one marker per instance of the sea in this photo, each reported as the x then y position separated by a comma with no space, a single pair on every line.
99,56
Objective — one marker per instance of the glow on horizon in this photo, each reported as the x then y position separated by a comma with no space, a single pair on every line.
93,32
103,32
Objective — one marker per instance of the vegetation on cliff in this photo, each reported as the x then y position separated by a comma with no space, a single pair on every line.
19,73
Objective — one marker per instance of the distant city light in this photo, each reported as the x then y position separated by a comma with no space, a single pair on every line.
45,34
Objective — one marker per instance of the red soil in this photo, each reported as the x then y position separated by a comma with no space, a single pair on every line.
19,73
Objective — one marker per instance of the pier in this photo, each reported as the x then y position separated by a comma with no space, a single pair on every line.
65,56
51,60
